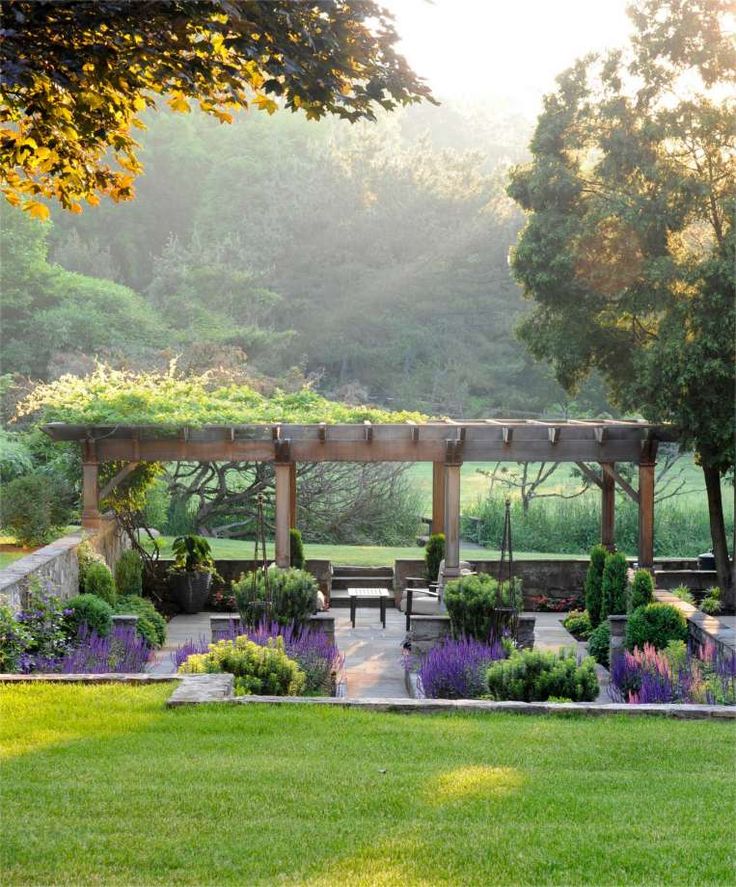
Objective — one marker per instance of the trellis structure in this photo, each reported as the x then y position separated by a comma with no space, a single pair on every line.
447,445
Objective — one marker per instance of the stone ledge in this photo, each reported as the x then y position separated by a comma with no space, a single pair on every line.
700,622
202,689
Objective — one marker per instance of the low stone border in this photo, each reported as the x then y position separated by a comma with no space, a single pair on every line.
702,627
110,678
204,689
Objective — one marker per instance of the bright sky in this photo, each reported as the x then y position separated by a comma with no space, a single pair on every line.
513,49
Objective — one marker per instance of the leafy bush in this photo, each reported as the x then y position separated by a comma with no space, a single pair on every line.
35,508
86,556
599,643
641,592
578,624
532,676
261,670
296,549
93,611
151,624
593,583
473,601
192,554
288,597
98,580
14,640
613,586
129,573
433,554
46,628
455,669
655,624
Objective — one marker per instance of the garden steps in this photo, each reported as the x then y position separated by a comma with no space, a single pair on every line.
346,577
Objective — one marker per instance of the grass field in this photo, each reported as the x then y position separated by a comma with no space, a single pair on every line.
357,555
103,785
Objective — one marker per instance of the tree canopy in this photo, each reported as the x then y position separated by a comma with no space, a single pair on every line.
77,75
628,250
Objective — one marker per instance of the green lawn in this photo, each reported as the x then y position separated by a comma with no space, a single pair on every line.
101,784
358,555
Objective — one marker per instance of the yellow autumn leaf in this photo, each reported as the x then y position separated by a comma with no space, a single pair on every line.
12,198
37,210
179,104
265,104
93,199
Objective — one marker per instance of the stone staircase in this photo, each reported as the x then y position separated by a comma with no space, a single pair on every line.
347,577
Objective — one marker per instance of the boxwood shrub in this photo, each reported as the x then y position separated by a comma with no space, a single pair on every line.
599,643
472,600
293,597
151,624
641,592
98,580
593,582
92,610
655,624
532,676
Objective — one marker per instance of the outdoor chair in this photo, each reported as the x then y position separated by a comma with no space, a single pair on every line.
427,600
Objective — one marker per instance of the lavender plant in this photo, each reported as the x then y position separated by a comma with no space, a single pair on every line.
456,668
122,651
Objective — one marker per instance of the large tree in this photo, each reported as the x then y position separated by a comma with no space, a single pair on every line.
628,250
77,74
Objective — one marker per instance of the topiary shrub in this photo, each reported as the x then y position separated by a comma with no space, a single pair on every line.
86,556
296,549
641,592
151,624
290,599
93,611
433,554
532,676
655,624
577,622
473,601
263,670
613,586
98,580
593,582
599,643
129,573
35,508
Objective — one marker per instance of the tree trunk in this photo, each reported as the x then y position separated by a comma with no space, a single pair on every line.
718,536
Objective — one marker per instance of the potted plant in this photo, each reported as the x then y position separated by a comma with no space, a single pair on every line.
191,573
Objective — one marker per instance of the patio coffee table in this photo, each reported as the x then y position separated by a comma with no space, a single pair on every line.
368,594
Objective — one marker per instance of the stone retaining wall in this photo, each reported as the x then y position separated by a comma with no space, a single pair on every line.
702,628
57,563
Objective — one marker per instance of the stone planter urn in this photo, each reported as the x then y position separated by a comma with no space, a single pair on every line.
190,589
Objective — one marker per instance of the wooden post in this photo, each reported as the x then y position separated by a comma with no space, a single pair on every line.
608,506
646,515
292,494
283,546
91,517
452,521
438,497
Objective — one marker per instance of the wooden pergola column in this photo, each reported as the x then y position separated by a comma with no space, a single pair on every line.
452,520
283,498
292,495
646,514
91,516
608,506
438,497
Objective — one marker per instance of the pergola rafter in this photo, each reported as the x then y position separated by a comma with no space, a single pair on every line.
446,444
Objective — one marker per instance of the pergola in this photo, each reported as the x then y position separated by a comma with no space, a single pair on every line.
595,446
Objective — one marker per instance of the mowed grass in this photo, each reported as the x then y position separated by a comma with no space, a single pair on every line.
356,555
102,784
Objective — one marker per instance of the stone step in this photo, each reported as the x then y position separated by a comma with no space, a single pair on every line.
344,582
348,570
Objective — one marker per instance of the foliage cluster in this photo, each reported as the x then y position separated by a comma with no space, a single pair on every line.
614,585
433,555
35,507
192,554
263,670
579,624
479,605
655,624
151,625
296,549
532,676
641,591
129,574
288,597
599,644
594,583
93,611
98,580
456,668
674,674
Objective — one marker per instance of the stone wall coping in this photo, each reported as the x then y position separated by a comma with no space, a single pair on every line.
203,689
29,563
709,624
107,678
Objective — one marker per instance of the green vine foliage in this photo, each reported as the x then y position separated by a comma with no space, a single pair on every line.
113,397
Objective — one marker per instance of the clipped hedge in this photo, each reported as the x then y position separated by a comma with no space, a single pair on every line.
655,624
92,610
290,599
533,676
